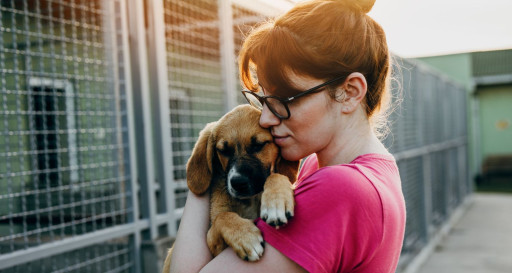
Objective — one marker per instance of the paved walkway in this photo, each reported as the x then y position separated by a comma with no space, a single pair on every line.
480,242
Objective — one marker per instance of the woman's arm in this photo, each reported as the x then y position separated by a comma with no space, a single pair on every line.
272,261
190,252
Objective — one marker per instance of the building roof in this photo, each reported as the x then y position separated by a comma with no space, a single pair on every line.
492,67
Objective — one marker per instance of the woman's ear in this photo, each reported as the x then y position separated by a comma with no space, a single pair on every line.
355,88
199,166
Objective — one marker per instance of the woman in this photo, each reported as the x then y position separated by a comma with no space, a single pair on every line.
320,74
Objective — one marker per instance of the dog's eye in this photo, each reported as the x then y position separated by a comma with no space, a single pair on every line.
226,151
257,147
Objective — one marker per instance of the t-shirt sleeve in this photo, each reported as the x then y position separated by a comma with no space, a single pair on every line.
337,222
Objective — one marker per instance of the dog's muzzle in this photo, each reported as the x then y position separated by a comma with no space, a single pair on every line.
246,178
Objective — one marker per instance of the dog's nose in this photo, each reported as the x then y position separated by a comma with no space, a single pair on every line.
240,184
246,178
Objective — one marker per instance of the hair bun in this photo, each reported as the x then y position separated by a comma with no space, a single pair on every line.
363,5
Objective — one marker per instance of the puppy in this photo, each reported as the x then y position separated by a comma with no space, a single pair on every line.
239,163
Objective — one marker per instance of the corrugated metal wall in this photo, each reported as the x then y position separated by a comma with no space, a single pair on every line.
492,63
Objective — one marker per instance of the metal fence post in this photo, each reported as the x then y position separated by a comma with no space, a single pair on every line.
142,113
133,201
156,37
153,248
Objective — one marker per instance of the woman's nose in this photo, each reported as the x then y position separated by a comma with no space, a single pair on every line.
267,118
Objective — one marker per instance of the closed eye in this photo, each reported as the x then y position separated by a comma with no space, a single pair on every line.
256,147
225,150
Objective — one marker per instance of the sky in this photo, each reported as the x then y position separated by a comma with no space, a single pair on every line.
418,28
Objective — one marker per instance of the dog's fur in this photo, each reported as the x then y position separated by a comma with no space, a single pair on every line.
238,162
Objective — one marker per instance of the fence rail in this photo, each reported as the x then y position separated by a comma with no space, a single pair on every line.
101,104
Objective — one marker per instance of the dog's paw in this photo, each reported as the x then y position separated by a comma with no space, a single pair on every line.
229,229
215,242
277,204
246,241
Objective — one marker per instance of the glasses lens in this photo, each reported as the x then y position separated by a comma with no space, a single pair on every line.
277,107
253,100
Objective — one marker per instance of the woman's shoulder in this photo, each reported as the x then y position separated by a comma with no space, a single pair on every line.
338,183
346,174
310,171
358,180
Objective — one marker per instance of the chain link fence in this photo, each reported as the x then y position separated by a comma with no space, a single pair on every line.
64,157
102,102
429,140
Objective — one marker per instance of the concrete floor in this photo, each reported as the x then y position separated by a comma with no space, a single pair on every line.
480,242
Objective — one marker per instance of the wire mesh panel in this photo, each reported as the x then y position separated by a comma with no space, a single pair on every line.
428,138
452,177
194,73
464,188
439,110
409,121
244,21
411,172
438,163
424,86
64,164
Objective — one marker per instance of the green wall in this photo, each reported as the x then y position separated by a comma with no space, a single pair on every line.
457,67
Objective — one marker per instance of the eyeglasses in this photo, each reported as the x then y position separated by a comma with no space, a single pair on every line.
279,106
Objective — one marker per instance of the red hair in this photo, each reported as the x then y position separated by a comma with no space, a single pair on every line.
323,39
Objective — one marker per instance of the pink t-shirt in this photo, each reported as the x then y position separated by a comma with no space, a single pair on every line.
348,218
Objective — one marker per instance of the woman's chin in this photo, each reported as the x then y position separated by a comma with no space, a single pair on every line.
291,155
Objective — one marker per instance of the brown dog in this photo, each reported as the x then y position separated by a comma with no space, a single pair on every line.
238,161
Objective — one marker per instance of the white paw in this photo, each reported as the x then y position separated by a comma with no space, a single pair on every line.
277,208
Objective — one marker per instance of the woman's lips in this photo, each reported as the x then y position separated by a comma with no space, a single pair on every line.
279,140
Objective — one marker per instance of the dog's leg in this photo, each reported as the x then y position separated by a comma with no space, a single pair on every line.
230,229
277,203
219,203
215,242
238,233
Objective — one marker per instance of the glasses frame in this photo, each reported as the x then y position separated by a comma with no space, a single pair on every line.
285,101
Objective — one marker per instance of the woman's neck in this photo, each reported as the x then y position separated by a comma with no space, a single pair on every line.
352,141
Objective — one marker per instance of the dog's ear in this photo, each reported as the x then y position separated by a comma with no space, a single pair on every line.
287,168
199,166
